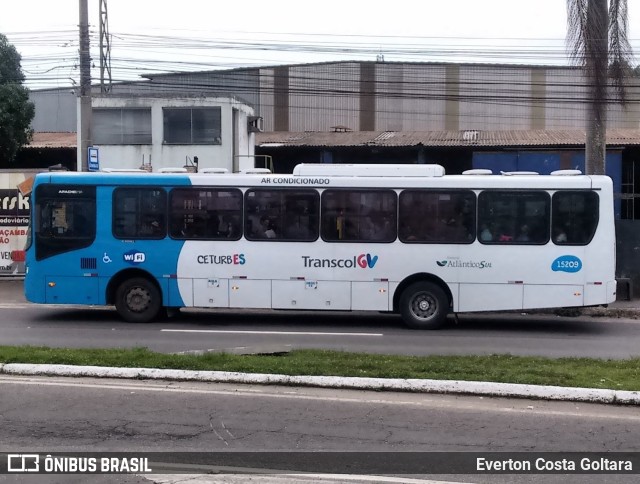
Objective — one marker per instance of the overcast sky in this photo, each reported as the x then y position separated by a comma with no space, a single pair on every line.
161,36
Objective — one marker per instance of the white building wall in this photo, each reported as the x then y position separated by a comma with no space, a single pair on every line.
161,155
55,110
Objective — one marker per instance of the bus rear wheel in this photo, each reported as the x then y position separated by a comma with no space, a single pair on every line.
138,300
424,305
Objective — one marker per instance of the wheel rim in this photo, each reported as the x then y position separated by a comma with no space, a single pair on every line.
138,299
424,306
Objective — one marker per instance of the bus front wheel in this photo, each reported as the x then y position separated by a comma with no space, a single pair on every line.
424,305
138,300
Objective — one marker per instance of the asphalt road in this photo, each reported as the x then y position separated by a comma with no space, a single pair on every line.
70,415
264,331
51,414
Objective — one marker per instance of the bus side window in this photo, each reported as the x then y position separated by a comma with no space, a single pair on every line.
198,213
282,214
513,217
574,217
136,209
364,215
437,216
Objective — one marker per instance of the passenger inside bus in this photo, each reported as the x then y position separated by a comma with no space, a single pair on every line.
296,229
485,233
268,230
229,227
524,235
253,227
376,227
560,236
151,227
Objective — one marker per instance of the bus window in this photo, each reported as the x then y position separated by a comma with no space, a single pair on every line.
359,215
205,213
430,216
574,217
139,213
281,214
513,217
64,220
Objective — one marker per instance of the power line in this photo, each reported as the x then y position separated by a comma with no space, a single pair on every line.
198,53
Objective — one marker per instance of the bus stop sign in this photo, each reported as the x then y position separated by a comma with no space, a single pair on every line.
93,160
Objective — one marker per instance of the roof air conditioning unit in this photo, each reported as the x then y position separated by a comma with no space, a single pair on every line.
254,124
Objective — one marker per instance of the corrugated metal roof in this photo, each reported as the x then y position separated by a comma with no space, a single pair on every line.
497,139
513,138
53,140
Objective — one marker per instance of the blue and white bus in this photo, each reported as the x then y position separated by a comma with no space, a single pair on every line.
391,238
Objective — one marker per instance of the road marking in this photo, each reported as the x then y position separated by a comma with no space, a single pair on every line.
19,306
455,403
239,474
301,333
163,388
49,307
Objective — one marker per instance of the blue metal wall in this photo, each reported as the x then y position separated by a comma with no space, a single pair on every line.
544,162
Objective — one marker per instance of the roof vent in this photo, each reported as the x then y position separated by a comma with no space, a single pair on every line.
566,172
256,171
478,171
364,169
123,170
173,169
470,136
217,171
517,173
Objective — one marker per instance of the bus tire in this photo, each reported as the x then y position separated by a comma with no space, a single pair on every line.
138,300
424,305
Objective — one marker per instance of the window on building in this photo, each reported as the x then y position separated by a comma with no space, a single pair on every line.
139,213
630,189
192,125
205,213
359,215
282,214
121,126
575,217
437,216
513,217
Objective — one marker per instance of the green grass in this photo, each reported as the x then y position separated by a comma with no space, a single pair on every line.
569,372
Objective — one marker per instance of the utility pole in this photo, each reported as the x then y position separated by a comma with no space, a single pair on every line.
105,49
84,106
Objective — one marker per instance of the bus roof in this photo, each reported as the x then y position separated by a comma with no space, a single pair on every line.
325,176
325,169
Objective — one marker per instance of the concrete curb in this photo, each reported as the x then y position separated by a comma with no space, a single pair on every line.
545,392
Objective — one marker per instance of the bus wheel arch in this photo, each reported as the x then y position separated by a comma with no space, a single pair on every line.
423,301
136,295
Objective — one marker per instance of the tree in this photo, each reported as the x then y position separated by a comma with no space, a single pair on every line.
16,112
598,38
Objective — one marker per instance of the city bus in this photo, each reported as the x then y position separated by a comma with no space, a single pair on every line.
406,239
